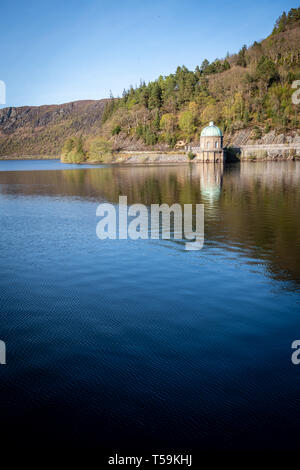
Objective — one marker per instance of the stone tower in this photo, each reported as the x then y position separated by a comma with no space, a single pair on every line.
211,144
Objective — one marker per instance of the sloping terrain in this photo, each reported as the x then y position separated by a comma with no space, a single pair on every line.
41,130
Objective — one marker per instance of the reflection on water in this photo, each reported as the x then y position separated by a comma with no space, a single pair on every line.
252,208
211,178
142,346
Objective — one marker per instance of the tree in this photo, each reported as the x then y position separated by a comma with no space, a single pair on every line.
168,123
280,24
241,57
198,72
226,65
99,150
204,65
187,124
154,96
193,107
211,112
156,122
72,151
266,71
293,16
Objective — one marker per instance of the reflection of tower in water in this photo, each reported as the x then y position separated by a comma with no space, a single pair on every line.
211,178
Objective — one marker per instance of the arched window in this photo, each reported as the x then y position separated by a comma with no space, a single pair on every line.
216,144
208,145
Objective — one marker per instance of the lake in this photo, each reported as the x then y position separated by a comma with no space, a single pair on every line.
141,345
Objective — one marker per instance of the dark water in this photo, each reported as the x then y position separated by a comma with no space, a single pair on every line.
142,345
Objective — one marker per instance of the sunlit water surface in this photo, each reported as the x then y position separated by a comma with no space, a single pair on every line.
122,344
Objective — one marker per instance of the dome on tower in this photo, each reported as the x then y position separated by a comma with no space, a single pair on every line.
211,131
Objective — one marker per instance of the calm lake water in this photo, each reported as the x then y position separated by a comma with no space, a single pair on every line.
142,345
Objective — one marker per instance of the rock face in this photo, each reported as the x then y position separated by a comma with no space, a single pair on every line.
246,137
41,130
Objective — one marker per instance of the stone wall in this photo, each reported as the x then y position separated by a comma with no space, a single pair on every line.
268,152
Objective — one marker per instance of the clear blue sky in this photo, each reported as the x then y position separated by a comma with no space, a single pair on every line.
59,51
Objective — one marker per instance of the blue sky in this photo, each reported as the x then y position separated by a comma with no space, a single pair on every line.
60,51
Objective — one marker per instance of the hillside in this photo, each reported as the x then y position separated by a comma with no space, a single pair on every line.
41,130
247,94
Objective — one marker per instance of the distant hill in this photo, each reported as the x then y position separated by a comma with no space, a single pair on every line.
41,130
247,94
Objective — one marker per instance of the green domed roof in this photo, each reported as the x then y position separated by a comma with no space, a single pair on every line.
211,131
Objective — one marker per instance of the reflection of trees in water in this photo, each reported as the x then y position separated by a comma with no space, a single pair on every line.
251,207
145,185
260,213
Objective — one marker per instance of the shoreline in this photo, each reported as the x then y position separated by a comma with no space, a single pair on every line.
152,157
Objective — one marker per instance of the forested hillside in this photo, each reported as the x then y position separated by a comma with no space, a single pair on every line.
252,88
248,93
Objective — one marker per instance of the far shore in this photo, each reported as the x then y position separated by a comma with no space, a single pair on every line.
29,157
248,153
